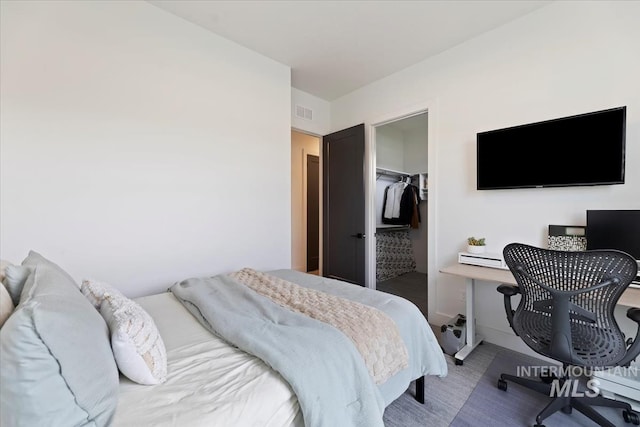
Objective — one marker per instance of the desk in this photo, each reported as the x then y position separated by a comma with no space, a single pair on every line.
630,298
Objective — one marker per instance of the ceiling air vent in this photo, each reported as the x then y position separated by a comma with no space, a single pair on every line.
304,113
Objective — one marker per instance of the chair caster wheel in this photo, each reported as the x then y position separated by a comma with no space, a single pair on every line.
538,425
502,385
631,417
459,362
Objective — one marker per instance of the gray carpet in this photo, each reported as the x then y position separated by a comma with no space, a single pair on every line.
468,396
444,396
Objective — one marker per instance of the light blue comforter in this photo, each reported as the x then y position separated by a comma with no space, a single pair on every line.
319,362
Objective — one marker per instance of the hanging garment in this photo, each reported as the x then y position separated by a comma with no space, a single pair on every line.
407,208
392,199
397,204
408,204
415,216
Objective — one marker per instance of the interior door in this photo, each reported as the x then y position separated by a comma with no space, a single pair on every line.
344,205
313,212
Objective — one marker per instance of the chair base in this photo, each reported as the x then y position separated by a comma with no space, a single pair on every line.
565,404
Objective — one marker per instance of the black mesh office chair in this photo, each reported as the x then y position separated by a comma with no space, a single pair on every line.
566,313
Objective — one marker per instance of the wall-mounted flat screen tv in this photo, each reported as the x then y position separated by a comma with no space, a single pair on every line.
586,149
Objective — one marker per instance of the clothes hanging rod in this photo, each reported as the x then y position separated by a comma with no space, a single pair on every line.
393,173
385,171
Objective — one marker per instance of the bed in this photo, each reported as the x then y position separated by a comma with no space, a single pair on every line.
204,371
211,378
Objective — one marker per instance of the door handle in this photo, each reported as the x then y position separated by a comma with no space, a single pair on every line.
359,235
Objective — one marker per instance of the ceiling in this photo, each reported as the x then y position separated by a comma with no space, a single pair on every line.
336,47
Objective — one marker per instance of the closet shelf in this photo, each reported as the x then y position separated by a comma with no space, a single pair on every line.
392,173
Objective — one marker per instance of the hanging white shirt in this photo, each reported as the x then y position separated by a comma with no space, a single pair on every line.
394,195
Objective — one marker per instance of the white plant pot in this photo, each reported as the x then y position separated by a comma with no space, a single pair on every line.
475,249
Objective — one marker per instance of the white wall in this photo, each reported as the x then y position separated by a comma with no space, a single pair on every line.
566,58
301,146
138,148
390,148
416,156
319,125
416,159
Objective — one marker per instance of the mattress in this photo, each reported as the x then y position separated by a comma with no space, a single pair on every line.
209,382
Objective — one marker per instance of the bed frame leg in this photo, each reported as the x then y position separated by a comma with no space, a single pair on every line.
420,389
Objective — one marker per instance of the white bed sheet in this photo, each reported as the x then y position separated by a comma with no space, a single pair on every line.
209,382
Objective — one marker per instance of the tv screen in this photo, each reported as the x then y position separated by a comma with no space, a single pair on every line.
587,149
614,229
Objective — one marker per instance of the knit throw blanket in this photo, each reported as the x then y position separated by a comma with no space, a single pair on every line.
373,333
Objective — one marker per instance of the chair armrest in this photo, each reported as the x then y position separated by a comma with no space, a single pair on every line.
508,291
634,349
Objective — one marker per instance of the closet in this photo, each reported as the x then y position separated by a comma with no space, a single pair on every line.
401,234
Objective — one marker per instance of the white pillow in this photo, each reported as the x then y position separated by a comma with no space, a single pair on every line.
6,304
135,340
15,276
95,291
3,265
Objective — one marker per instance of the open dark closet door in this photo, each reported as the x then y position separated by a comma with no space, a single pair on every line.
343,205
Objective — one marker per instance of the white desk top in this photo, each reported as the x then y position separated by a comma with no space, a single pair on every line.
630,297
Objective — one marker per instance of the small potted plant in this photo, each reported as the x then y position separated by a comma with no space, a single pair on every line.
475,246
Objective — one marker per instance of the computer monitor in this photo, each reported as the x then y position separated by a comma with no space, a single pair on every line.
614,229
